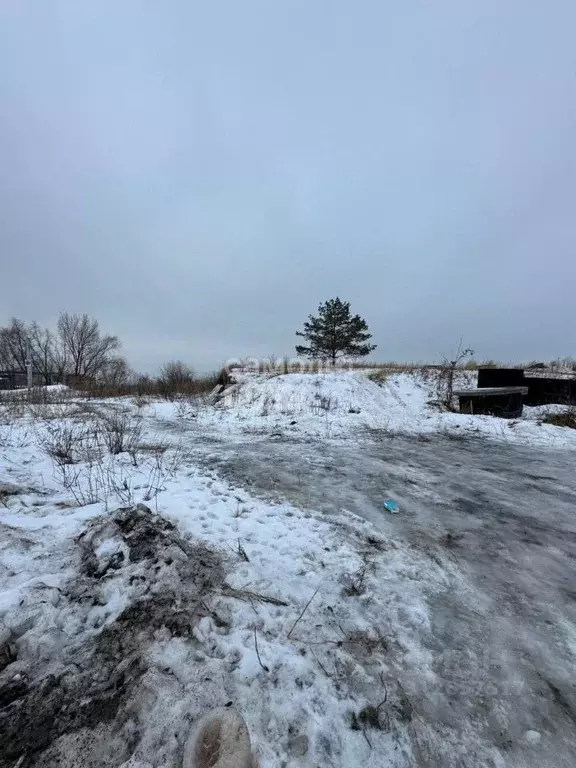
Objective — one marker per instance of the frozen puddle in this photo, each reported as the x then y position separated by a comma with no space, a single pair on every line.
498,522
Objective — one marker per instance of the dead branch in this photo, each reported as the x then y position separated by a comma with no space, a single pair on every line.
242,552
304,611
247,595
264,667
322,667
385,699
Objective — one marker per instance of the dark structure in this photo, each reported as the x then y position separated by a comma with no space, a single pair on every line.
546,389
500,377
13,380
542,390
19,379
506,402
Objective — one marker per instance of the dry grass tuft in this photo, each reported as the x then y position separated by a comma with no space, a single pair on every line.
379,376
355,584
565,418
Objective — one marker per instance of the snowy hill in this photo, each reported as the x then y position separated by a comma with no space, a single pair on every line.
344,404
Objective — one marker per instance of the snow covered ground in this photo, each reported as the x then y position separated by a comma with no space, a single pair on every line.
260,571
348,404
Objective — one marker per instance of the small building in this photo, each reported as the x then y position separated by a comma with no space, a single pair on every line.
542,389
500,377
19,379
506,402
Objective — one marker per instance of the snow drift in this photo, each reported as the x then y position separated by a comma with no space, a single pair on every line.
345,404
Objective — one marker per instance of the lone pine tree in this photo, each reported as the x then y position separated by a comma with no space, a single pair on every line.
335,333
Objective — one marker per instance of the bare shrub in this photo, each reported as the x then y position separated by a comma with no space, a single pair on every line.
84,481
55,396
121,431
268,402
69,443
183,410
65,442
53,412
96,480
15,431
36,396
322,404
105,477
42,412
140,401
11,410
15,435
144,385
176,378
189,407
268,364
84,410
355,584
165,463
446,373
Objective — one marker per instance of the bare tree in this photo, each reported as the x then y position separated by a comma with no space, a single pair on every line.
115,373
43,352
86,351
175,377
446,374
6,361
60,360
144,385
13,344
14,341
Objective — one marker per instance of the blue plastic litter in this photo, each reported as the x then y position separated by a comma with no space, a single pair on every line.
392,506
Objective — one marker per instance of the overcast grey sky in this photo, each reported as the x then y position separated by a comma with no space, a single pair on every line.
200,175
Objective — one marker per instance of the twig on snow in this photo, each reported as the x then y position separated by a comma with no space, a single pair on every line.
242,552
385,699
322,667
264,667
247,595
303,612
206,607
253,606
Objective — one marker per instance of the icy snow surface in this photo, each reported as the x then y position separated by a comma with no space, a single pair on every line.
315,618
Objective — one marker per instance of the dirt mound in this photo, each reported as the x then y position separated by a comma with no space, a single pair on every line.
61,702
